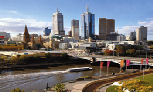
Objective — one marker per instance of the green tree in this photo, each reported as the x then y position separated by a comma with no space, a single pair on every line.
120,50
130,52
59,87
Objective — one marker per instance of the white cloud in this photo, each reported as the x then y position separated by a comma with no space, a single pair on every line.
16,25
148,23
13,12
126,29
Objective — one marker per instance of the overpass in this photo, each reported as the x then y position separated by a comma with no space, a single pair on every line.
116,59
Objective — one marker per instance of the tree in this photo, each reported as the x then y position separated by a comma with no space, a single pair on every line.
17,90
120,50
59,87
108,52
130,52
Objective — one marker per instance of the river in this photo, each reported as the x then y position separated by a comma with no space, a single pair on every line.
37,79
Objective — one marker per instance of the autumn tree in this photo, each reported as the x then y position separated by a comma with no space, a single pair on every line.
108,52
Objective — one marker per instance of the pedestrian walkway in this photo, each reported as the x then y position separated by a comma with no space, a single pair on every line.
76,86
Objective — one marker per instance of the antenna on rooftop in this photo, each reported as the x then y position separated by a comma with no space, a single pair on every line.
87,8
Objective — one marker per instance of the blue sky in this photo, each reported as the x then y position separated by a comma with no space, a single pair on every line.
128,14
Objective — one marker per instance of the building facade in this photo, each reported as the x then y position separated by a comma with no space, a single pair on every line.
87,25
102,28
57,24
132,36
75,29
70,33
47,31
18,38
106,26
6,36
141,34
112,36
121,37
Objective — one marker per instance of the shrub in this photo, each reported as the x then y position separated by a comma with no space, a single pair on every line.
17,90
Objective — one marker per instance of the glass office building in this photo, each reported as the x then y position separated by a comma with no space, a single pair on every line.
47,31
87,25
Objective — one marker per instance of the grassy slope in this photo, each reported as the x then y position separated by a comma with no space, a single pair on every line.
148,78
112,89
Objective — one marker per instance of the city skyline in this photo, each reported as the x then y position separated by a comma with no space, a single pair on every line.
129,15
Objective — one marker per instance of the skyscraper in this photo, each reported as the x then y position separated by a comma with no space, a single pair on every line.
87,25
102,28
75,29
106,26
110,26
141,34
57,24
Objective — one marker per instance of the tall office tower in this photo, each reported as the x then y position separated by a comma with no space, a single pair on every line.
47,31
106,26
75,29
102,28
133,36
87,25
141,34
26,35
110,26
57,24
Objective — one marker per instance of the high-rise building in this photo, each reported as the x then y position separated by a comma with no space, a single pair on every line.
110,26
26,35
87,25
70,33
102,28
47,31
57,24
133,36
106,26
141,34
75,29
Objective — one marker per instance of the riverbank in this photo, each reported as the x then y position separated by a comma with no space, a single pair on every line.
39,61
37,79
78,84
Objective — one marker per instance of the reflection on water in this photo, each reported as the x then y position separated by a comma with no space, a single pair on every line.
29,80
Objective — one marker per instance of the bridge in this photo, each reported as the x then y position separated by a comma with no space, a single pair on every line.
116,59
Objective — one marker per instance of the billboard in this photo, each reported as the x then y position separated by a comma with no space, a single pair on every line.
1,36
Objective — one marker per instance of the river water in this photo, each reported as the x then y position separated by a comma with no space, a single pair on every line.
37,79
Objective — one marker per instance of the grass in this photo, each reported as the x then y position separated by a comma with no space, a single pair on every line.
147,78
112,89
